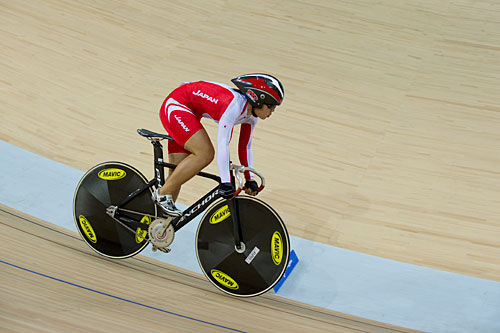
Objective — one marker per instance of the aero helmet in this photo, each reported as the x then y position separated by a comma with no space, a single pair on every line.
260,89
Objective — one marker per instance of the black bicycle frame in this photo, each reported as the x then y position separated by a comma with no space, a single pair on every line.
160,165
195,209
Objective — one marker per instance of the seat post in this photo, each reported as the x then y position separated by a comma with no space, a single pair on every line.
158,160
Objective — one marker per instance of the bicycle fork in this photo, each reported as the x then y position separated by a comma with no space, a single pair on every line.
238,238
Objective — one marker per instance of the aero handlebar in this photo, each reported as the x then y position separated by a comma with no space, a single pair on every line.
241,185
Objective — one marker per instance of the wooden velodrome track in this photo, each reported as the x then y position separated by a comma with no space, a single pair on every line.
388,141
101,295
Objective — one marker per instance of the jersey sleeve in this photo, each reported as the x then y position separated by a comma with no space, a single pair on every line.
226,124
245,152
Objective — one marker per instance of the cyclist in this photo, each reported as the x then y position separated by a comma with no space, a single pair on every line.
256,97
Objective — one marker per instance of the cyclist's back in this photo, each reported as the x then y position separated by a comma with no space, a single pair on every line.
209,99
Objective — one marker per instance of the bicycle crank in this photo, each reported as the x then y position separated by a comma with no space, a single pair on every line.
161,234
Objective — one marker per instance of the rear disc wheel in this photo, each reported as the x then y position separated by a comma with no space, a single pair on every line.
109,184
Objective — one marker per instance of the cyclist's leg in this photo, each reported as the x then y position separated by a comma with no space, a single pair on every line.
192,149
202,153
175,158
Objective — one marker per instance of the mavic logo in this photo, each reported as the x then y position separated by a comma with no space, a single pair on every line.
111,174
179,120
205,96
224,279
220,215
277,248
87,229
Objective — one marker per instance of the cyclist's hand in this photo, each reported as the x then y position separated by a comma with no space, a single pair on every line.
226,190
251,187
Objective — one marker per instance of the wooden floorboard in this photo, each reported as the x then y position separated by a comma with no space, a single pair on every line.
52,281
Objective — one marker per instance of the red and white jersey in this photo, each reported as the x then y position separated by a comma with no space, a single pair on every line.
228,108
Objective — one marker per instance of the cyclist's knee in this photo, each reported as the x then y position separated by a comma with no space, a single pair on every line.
201,146
207,155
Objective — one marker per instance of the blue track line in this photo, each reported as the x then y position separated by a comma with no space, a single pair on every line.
121,299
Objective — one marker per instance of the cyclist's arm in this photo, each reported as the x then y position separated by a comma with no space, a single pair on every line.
245,151
225,129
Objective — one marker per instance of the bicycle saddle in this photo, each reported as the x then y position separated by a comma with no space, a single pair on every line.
149,134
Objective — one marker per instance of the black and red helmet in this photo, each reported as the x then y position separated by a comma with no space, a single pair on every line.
260,89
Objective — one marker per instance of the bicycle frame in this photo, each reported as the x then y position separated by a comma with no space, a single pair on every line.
191,212
199,206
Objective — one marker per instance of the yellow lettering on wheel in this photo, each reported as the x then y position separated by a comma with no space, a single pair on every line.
87,229
220,215
277,248
146,219
140,235
224,279
111,174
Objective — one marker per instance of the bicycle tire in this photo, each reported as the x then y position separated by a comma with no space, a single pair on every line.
266,254
107,184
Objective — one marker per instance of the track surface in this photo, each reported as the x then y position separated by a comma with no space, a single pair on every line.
51,280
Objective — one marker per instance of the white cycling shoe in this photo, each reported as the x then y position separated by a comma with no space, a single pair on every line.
168,205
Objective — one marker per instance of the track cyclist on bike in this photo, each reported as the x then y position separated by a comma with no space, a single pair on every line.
256,97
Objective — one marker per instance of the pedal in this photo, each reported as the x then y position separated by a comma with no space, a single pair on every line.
161,234
164,250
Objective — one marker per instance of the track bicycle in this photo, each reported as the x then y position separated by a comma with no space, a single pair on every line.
242,244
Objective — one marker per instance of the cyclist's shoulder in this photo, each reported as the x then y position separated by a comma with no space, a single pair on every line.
210,88
207,84
220,88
